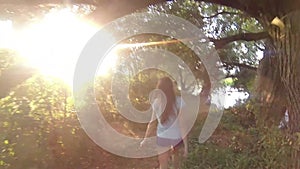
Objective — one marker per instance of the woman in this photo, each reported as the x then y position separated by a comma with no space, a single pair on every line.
169,127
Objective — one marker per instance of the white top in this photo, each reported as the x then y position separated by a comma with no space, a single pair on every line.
170,129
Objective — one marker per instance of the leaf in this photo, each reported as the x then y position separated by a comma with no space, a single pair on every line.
6,142
278,22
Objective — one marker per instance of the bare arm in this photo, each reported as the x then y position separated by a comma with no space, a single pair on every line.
150,129
184,132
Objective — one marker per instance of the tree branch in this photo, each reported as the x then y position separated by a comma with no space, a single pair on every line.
249,7
221,13
220,43
239,65
46,2
230,76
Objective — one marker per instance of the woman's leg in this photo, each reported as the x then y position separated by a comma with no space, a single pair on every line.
163,160
178,151
176,159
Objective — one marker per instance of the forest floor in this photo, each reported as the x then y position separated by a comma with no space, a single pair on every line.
111,161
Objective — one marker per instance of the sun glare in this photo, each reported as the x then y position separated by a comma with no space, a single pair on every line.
53,44
6,32
108,63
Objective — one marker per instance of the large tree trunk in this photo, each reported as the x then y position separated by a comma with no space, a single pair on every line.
287,43
270,90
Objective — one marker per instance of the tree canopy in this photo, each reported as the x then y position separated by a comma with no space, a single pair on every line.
258,45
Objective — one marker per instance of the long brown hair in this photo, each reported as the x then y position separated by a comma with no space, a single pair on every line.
166,85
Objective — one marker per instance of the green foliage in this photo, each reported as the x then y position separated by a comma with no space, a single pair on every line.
237,57
141,85
229,81
273,149
187,9
7,59
131,61
216,157
38,123
239,143
12,71
39,127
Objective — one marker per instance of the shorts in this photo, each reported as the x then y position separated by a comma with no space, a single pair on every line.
166,142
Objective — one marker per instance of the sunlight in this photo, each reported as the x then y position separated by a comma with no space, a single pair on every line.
108,63
53,44
6,32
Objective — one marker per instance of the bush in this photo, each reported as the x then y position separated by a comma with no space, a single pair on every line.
238,146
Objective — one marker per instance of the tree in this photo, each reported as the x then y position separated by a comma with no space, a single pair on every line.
280,55
279,69
280,66
217,31
12,71
279,20
238,58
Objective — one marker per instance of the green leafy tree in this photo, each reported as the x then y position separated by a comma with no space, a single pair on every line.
38,119
12,71
276,22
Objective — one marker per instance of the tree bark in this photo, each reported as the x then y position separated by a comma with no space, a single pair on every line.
270,90
287,44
